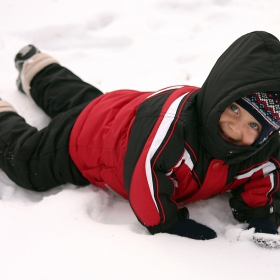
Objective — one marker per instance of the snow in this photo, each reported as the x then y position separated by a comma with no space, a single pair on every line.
86,233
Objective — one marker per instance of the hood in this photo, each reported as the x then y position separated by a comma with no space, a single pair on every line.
251,64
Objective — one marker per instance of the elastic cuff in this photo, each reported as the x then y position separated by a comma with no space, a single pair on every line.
32,66
6,107
182,214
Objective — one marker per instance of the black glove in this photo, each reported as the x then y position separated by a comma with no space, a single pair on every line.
191,229
263,226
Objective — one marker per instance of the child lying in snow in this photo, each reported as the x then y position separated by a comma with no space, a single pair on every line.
160,150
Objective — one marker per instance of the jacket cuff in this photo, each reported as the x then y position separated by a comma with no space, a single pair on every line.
262,212
182,214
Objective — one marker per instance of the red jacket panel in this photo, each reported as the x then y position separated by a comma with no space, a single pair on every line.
145,147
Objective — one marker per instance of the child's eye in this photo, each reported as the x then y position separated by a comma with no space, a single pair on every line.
254,125
234,108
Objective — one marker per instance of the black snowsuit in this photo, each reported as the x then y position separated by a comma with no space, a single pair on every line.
40,160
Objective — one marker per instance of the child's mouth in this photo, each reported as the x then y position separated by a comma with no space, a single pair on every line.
226,137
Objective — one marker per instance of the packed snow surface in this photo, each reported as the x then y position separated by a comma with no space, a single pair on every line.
87,233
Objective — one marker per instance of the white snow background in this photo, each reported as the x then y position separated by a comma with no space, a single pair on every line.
70,233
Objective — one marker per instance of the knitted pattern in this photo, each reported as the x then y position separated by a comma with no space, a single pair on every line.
266,104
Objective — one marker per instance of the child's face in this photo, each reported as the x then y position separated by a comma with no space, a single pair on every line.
238,127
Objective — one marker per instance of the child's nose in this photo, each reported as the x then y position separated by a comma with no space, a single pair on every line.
240,134
237,128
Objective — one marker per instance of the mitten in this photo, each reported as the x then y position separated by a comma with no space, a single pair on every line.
263,226
191,229
266,234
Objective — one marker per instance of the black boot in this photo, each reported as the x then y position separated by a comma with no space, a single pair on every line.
24,54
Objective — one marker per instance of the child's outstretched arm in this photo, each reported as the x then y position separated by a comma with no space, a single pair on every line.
156,146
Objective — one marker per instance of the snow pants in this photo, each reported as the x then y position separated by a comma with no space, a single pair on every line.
39,160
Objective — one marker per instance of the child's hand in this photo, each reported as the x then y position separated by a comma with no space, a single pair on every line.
263,226
191,229
266,233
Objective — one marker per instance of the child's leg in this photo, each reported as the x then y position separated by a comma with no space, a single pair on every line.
54,88
37,160
40,160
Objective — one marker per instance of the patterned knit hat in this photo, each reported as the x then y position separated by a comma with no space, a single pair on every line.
265,108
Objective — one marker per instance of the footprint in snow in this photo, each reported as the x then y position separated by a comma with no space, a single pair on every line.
60,37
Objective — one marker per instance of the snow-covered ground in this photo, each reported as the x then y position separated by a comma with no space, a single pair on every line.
86,233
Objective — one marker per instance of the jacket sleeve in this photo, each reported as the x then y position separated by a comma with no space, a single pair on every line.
259,195
156,145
